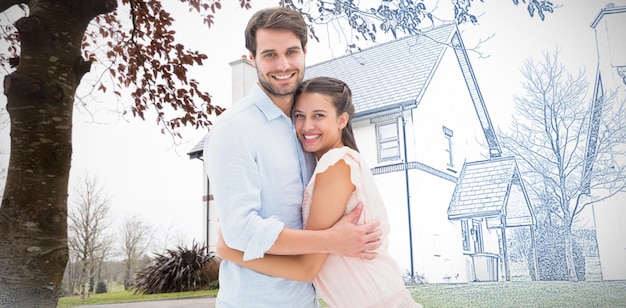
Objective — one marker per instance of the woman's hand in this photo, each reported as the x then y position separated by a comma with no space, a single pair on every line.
355,240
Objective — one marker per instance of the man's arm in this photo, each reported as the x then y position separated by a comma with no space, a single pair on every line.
230,161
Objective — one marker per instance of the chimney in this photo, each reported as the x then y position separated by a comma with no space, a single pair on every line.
243,78
610,28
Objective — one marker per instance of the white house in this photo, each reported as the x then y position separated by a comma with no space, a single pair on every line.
423,127
610,215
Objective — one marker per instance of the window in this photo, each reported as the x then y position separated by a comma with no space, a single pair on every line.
388,141
448,134
436,247
465,234
477,231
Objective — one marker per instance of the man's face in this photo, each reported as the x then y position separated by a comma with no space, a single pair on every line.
279,61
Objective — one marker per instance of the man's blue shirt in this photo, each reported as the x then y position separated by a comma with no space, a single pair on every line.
257,172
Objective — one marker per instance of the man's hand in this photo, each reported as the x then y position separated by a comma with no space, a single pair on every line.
225,252
347,238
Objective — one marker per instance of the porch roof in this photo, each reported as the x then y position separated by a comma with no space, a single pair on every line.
196,151
491,189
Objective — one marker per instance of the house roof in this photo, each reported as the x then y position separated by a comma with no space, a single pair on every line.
491,189
396,74
196,151
607,10
390,74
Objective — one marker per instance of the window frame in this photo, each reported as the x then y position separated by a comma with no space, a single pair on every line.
465,235
394,140
477,232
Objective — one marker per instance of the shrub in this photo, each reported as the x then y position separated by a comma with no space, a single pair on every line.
101,287
211,271
415,280
178,270
551,262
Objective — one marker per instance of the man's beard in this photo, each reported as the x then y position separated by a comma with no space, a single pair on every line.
269,88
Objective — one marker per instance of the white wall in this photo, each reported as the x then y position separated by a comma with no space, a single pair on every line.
611,233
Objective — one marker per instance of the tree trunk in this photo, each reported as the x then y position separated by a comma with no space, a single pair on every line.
83,280
128,275
569,255
40,95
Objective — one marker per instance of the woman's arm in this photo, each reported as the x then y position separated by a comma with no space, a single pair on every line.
332,191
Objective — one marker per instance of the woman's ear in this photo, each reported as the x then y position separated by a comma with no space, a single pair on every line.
343,120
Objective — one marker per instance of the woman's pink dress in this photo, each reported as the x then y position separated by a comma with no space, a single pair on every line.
353,282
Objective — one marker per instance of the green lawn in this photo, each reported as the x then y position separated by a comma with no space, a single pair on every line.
478,294
523,294
125,296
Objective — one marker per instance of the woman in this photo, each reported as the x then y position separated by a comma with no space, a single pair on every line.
322,112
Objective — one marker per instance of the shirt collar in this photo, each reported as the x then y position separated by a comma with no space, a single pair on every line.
265,103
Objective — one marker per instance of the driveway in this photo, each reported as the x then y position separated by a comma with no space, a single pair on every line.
195,302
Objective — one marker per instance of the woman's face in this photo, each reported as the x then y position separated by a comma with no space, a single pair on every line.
317,125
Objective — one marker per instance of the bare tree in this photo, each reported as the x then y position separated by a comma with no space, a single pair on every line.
136,237
88,221
169,238
71,277
551,127
368,20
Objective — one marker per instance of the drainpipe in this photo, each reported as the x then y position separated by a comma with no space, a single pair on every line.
408,195
208,215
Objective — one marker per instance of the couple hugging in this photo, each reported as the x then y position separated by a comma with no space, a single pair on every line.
285,140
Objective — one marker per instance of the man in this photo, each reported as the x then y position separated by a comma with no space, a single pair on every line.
258,173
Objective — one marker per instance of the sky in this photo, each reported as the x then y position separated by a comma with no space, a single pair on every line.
145,174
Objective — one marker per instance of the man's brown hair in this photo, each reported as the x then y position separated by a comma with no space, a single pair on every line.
278,18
